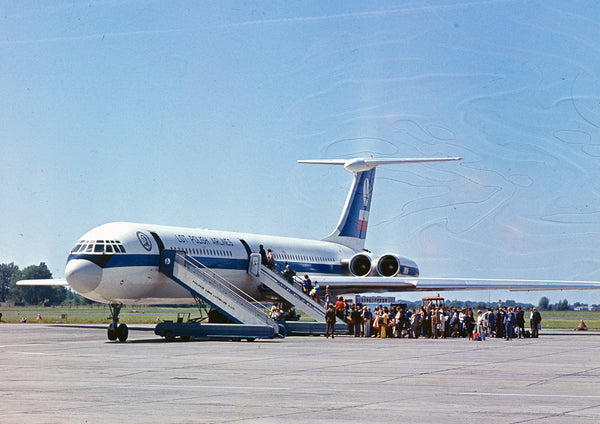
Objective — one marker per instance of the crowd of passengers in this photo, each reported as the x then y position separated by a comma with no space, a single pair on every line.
429,321
437,322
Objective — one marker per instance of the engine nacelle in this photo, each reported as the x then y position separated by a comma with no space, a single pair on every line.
391,265
361,264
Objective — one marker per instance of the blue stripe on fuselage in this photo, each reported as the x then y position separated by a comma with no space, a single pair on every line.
134,260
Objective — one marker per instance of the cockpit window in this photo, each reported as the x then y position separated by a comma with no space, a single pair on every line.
98,247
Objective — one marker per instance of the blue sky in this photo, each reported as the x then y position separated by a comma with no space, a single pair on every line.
194,114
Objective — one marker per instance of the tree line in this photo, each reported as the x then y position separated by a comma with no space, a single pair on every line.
34,295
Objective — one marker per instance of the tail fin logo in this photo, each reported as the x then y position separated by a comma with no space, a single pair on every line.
366,192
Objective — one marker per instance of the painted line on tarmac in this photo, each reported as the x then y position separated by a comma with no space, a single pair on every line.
530,395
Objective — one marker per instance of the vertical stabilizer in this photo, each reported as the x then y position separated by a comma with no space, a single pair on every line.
351,229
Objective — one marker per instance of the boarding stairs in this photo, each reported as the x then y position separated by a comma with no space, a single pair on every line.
292,293
215,290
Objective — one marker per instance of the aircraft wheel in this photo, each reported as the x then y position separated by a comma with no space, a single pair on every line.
112,333
122,332
169,336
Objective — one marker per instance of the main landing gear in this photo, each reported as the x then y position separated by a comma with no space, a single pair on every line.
116,330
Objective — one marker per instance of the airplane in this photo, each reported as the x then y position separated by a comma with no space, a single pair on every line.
118,263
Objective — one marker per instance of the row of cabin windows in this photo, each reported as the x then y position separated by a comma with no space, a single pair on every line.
218,252
303,258
98,246
206,252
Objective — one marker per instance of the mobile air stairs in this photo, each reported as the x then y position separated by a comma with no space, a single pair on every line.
250,322
293,294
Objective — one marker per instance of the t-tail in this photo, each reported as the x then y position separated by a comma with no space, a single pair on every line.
351,229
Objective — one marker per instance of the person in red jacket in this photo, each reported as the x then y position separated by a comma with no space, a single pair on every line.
340,308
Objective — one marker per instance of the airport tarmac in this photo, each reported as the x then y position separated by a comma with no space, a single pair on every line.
72,374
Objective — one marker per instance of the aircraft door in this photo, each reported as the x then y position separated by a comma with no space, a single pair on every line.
254,264
158,241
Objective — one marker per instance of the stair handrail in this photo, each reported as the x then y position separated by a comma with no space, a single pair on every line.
202,269
307,300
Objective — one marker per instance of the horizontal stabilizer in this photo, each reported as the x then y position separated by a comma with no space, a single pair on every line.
361,164
44,282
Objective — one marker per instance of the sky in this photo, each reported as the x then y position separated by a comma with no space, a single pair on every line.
194,114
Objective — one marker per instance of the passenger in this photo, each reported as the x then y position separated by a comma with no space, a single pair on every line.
415,323
383,324
535,322
270,259
376,321
356,318
276,314
328,296
306,285
481,324
454,323
263,255
426,323
316,292
509,324
330,320
288,273
499,318
367,316
520,321
491,321
340,308
401,322
462,329
443,322
435,323
392,324
291,314
469,323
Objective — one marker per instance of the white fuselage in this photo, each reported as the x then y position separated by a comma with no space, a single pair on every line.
119,262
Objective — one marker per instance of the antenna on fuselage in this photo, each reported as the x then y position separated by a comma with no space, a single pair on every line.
351,229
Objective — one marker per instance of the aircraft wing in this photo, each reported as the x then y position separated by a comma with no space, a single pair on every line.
406,284
44,282
502,284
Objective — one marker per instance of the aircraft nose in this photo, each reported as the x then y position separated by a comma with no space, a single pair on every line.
82,275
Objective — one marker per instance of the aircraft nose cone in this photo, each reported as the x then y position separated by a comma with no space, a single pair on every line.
82,275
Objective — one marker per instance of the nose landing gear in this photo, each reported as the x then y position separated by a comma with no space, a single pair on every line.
116,330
